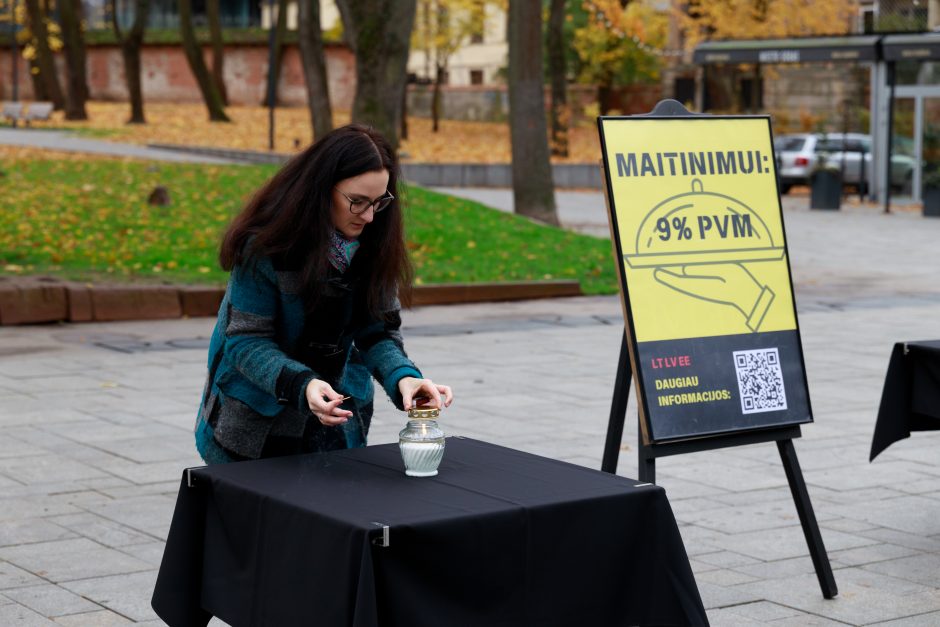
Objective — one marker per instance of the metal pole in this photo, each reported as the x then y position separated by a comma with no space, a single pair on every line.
889,147
271,74
14,62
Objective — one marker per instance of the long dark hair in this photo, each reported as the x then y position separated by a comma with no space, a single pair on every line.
290,218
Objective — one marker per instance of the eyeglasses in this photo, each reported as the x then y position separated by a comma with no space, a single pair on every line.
361,205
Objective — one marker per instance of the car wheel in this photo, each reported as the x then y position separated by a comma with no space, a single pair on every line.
785,188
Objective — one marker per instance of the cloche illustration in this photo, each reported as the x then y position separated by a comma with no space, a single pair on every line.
700,227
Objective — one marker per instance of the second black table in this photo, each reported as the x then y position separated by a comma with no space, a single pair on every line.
910,400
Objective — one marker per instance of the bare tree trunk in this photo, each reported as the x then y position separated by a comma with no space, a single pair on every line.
603,98
440,62
218,49
73,40
532,185
280,31
197,64
436,98
39,87
379,32
45,60
403,131
80,13
131,43
313,60
560,116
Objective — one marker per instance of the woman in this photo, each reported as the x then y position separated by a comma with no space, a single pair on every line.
311,313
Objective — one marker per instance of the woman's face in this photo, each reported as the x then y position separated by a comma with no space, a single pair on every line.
364,187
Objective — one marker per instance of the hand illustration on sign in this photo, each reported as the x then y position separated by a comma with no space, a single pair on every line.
724,283
698,243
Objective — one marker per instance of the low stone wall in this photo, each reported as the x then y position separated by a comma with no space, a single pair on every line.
32,300
564,175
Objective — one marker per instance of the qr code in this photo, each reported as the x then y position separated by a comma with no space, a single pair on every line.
760,380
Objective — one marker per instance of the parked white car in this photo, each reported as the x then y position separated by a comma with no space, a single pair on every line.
798,154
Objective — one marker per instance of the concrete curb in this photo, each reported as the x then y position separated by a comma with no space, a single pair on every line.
32,300
565,175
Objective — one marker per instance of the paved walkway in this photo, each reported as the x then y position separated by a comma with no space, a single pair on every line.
75,142
96,427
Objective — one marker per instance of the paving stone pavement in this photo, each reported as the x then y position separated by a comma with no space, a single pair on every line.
96,426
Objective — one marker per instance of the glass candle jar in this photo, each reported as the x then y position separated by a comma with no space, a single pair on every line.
421,442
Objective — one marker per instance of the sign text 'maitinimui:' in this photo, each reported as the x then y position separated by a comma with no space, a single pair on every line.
687,163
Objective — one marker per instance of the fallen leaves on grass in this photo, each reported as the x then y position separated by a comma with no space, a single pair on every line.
187,123
94,223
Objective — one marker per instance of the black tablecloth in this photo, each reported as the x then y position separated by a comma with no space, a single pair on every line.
499,537
911,397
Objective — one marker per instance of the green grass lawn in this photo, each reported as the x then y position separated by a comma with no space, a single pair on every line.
89,220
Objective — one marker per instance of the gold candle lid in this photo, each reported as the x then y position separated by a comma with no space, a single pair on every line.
424,413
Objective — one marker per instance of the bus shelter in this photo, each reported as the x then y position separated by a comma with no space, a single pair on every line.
904,94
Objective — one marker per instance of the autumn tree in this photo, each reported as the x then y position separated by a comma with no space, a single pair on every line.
44,42
197,64
18,21
763,19
313,60
616,44
532,185
131,41
441,28
379,32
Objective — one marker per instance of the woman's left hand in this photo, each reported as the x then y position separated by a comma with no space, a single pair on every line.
412,388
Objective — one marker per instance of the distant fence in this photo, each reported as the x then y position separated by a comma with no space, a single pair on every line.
490,103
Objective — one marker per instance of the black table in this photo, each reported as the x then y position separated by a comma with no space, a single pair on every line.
911,397
498,538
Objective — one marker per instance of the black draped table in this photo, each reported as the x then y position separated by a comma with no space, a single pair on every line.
498,538
911,397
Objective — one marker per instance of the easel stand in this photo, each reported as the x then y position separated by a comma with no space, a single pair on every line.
647,454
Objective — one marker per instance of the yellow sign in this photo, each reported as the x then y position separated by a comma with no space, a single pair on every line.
699,225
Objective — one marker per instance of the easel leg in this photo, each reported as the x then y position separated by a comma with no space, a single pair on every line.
618,409
807,518
646,463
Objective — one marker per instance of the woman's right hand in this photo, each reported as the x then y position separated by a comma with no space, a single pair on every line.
325,403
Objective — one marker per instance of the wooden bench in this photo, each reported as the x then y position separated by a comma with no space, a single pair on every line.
27,112
12,111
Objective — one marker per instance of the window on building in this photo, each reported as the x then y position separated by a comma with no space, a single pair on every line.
866,19
476,77
684,89
751,97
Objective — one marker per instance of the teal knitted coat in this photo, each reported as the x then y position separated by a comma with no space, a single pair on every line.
265,349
